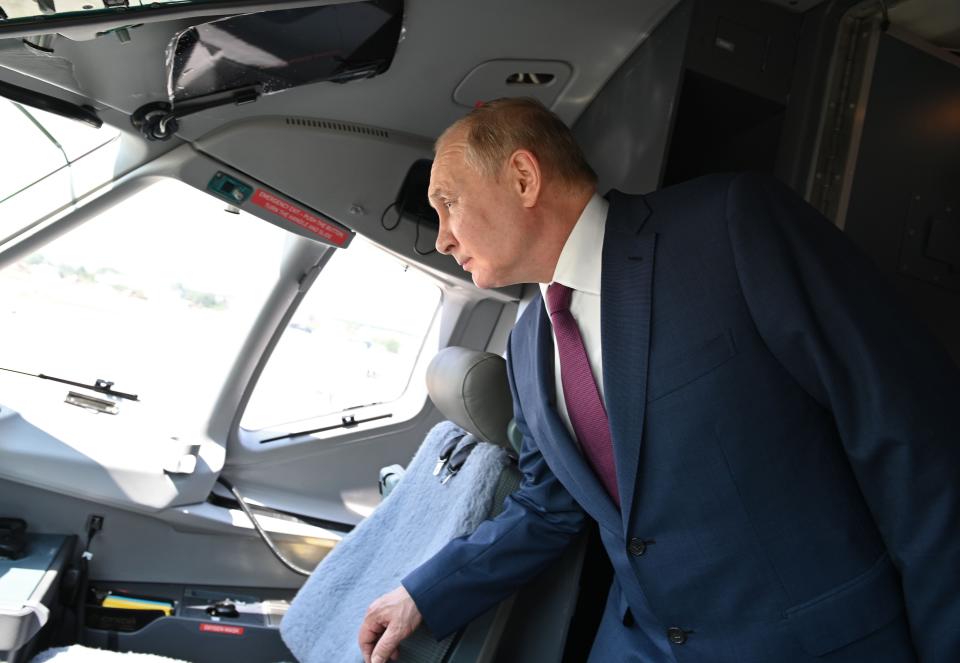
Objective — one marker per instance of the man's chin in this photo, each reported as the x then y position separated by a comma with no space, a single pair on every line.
482,280
487,281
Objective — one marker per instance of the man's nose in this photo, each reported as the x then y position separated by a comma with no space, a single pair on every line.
445,241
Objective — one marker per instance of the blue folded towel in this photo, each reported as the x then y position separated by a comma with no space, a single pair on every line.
414,522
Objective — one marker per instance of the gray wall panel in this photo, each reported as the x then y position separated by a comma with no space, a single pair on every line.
141,548
625,131
904,206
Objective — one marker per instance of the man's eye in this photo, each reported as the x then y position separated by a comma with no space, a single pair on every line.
448,203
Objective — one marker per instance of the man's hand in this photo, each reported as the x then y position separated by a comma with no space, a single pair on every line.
390,619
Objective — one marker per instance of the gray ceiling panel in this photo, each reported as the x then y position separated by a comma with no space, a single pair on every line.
416,94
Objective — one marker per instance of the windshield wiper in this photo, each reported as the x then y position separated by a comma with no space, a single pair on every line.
54,105
100,386
347,421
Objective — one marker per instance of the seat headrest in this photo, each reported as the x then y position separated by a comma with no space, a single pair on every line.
470,388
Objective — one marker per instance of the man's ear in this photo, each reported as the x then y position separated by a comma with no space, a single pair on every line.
525,176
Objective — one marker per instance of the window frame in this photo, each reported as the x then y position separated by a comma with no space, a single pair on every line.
370,419
71,195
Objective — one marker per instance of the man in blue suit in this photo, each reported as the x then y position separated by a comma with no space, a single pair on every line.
769,443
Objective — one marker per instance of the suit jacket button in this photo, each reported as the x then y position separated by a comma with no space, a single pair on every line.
676,635
637,547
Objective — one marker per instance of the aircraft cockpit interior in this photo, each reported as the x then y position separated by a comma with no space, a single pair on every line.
246,385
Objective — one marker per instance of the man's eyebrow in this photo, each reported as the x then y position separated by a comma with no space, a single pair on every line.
438,192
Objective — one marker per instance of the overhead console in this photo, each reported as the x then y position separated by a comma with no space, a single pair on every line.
236,60
222,61
358,175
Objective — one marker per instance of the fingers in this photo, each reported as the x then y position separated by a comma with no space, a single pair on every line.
389,620
369,634
387,646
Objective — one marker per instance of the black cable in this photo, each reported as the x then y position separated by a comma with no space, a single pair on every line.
384,216
263,535
94,525
416,241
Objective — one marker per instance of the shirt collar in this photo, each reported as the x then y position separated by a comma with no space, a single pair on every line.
579,264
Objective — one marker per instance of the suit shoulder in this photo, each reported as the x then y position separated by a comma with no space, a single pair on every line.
724,183
704,184
526,319
750,185
726,195
691,194
687,207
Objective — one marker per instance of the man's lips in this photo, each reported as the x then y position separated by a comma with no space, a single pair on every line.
463,265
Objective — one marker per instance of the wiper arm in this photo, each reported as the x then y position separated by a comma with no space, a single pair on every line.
45,102
101,386
348,421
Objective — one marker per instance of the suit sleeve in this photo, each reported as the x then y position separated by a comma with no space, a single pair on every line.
831,320
472,574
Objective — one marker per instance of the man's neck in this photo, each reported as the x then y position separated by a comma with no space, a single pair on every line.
562,219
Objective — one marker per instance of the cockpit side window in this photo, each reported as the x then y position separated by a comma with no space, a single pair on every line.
359,337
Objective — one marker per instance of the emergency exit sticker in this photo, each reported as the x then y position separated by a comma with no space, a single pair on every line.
315,224
221,628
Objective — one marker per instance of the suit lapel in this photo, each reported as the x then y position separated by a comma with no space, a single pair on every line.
626,289
555,443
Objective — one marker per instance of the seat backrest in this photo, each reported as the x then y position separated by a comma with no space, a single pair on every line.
470,389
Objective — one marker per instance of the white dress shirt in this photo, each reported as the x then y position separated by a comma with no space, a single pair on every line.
579,268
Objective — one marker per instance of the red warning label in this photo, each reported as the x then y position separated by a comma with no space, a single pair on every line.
315,224
221,628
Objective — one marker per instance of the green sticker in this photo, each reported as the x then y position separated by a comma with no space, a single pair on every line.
229,188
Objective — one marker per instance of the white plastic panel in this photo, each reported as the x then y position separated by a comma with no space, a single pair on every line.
124,459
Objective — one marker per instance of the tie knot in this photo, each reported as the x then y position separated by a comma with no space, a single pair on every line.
558,298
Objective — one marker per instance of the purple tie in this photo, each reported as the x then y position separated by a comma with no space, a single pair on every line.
587,414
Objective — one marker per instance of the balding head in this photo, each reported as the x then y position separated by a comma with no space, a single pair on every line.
508,183
495,130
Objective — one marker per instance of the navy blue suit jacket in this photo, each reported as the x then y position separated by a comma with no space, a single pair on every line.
787,444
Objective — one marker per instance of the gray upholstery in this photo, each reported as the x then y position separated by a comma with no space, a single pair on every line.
514,434
470,388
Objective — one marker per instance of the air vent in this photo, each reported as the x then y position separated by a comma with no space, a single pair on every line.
543,80
530,78
340,127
